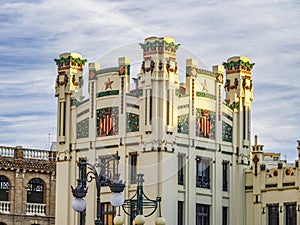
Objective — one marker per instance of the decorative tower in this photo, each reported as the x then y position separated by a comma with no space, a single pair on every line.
239,95
159,79
68,91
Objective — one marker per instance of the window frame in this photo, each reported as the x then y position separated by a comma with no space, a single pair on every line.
273,214
4,188
180,213
108,213
202,214
36,191
290,213
203,172
110,169
133,158
225,176
181,169
225,215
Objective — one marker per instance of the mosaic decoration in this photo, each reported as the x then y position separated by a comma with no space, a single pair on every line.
124,70
183,124
205,123
83,128
107,93
226,132
132,122
205,95
108,121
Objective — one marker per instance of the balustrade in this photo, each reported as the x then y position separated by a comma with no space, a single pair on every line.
36,209
6,151
4,207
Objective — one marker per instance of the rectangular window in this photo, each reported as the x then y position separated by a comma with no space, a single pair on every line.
202,214
180,217
224,215
108,213
290,214
151,102
133,169
108,167
203,174
273,214
225,175
181,162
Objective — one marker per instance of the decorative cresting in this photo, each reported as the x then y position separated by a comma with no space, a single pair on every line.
164,44
70,61
237,66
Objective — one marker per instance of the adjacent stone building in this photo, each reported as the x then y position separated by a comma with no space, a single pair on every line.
272,189
27,186
191,142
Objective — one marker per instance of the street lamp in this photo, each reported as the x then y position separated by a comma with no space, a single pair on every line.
141,202
97,172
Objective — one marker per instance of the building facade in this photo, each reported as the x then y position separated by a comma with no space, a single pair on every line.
27,186
272,189
191,142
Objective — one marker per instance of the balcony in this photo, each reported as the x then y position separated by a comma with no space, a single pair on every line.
36,209
4,207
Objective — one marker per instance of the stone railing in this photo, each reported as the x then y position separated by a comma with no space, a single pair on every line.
4,207
39,154
36,209
7,151
19,152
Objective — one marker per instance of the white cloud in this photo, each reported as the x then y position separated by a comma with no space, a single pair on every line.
35,32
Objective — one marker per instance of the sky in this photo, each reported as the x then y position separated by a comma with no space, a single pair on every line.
34,32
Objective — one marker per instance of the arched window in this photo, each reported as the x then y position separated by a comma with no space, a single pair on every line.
35,191
4,189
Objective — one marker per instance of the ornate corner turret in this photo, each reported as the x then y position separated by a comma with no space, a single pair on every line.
238,84
160,58
69,80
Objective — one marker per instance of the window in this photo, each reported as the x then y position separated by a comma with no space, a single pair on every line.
181,161
4,189
224,215
35,191
108,213
273,215
225,175
109,168
203,167
180,217
290,214
133,169
202,214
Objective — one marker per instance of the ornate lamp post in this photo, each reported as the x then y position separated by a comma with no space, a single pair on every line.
141,202
97,172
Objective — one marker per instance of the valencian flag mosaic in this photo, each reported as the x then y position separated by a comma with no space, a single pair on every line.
108,121
205,123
